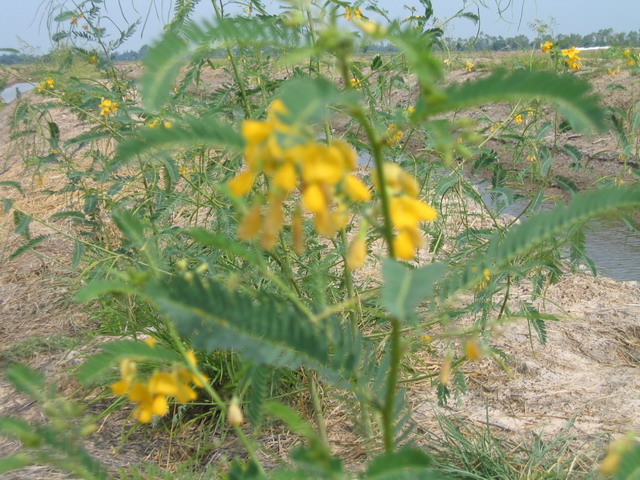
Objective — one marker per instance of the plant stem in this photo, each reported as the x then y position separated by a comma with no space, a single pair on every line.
317,408
234,66
392,382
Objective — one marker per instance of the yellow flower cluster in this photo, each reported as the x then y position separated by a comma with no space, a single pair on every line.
629,57
350,13
355,83
546,46
151,397
518,119
107,106
469,66
155,123
407,210
45,85
74,19
287,159
393,135
572,59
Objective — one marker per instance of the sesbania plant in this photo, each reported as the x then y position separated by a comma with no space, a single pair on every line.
241,216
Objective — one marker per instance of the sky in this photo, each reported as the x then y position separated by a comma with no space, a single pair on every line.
23,23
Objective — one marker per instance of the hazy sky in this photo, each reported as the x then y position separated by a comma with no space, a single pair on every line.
25,20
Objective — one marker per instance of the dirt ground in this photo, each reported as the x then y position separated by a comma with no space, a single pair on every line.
589,369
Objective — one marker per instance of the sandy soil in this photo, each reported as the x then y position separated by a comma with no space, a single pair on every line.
589,368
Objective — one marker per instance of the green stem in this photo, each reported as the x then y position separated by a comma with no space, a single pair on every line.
317,408
234,66
392,382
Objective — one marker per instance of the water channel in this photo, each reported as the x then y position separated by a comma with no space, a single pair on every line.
614,250
9,94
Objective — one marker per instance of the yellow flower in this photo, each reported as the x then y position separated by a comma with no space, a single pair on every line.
518,119
630,61
572,59
350,13
92,60
406,210
469,66
313,199
411,110
242,183
107,106
234,415
167,125
356,253
472,350
393,135
250,225
355,83
356,190
546,46
627,52
154,123
273,222
372,28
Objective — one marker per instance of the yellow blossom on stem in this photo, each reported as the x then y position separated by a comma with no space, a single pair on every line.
518,119
406,210
151,397
469,66
546,46
472,350
107,107
350,13
572,59
357,252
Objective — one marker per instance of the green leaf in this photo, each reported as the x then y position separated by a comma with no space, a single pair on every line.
292,419
28,246
26,380
572,96
78,251
504,249
224,243
20,430
99,288
11,183
308,99
162,65
207,131
14,462
629,467
408,463
404,288
130,226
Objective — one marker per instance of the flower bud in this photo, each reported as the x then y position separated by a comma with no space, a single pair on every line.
234,415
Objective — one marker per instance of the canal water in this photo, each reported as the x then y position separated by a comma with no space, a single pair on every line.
614,250
9,94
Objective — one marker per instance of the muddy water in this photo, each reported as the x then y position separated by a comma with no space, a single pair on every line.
9,94
614,250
